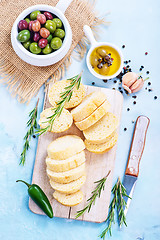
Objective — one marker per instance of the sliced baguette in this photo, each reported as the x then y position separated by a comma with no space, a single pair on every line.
69,188
65,147
59,87
88,105
102,147
60,124
67,164
101,130
69,199
68,176
94,117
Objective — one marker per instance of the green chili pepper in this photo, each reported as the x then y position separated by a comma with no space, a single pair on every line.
40,198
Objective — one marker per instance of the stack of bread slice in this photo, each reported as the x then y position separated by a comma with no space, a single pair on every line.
98,125
66,169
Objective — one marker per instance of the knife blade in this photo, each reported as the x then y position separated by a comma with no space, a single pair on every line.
135,155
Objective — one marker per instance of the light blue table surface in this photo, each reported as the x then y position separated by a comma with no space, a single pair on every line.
135,24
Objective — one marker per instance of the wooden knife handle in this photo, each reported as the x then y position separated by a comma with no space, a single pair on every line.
137,146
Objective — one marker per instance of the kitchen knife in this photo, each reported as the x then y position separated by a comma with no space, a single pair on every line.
136,151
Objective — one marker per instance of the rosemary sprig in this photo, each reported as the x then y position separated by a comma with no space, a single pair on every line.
64,97
119,203
95,193
32,124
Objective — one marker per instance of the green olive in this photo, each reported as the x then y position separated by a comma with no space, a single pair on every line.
27,20
104,70
34,48
33,15
50,25
27,44
23,36
59,33
94,61
56,43
58,22
102,52
47,49
49,38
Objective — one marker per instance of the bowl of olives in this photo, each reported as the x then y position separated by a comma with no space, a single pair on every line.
41,35
104,60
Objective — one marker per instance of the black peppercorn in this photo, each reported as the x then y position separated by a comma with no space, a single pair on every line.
100,60
100,65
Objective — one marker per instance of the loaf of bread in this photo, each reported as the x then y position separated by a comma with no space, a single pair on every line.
67,164
88,105
102,147
60,124
68,176
68,188
94,117
65,147
101,130
59,87
69,199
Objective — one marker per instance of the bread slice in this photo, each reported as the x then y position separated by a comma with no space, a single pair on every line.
102,147
101,130
60,124
59,87
94,117
68,176
67,164
68,188
88,105
69,199
65,147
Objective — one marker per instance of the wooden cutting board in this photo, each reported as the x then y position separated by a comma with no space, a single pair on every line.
97,166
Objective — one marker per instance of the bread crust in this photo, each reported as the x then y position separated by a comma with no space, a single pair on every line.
101,130
68,176
69,188
68,150
88,105
69,200
103,147
94,117
67,164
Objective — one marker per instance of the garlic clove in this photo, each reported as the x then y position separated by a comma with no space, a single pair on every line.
126,88
129,78
137,85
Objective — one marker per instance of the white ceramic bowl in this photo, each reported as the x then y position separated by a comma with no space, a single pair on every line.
95,44
42,60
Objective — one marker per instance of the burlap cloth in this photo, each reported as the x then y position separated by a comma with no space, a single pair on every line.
24,80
